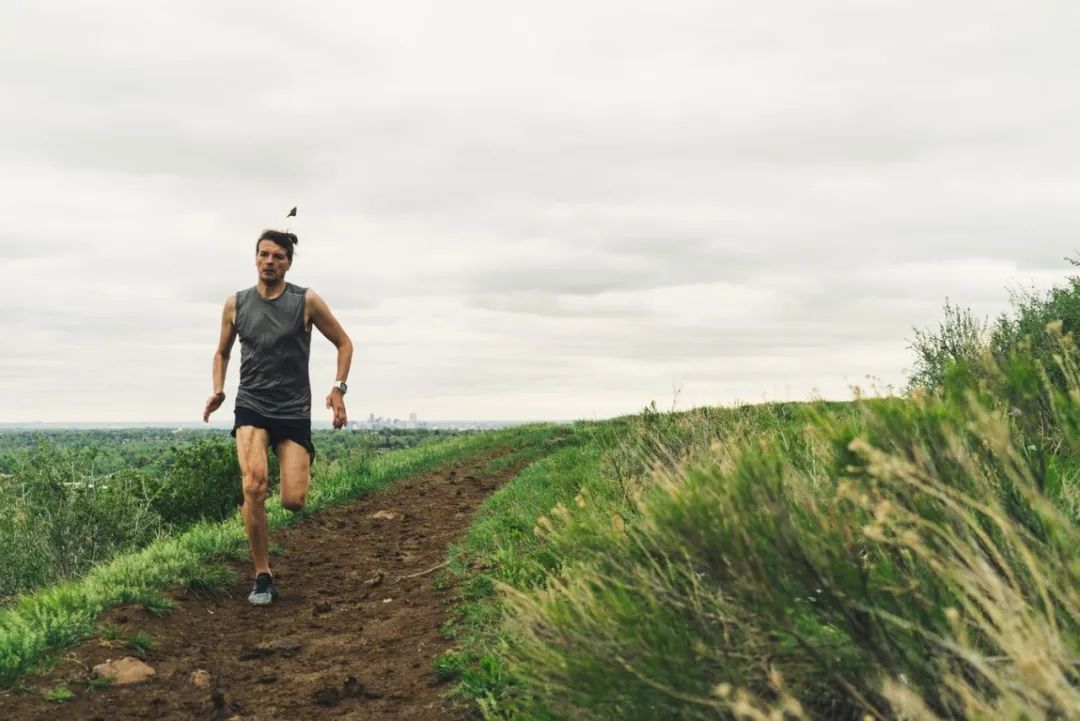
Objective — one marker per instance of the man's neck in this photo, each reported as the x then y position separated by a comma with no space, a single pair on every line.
269,291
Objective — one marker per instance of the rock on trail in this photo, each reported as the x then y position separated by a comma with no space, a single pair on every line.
124,671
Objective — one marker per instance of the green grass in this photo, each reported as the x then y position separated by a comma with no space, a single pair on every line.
522,456
157,603
59,694
502,546
211,580
140,642
37,625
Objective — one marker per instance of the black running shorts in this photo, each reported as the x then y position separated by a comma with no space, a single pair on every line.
279,429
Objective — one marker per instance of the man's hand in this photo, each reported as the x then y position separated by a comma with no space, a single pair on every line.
336,401
212,404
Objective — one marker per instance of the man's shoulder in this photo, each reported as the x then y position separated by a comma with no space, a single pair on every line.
312,297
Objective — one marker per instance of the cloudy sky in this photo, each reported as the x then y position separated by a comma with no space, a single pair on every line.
524,210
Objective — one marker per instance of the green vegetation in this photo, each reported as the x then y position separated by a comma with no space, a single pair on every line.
889,558
140,642
56,523
155,449
501,547
37,624
59,694
158,603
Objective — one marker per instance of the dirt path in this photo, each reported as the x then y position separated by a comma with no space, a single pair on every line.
340,644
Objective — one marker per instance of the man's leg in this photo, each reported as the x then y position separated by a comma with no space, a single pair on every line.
251,446
295,464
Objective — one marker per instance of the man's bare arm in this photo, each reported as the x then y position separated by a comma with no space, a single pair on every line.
328,325
221,357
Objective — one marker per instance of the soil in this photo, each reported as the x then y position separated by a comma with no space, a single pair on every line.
352,636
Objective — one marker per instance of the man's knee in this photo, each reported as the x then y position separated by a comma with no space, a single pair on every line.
293,492
293,501
256,486
295,475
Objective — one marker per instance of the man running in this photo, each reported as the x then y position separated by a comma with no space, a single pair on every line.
273,403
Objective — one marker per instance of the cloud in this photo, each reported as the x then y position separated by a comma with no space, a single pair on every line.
524,210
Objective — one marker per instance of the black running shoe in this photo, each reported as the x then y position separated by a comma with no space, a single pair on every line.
263,593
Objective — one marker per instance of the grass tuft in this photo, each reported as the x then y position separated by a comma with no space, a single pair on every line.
211,580
156,603
58,694
141,642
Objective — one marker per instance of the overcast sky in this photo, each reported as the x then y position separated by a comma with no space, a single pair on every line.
524,210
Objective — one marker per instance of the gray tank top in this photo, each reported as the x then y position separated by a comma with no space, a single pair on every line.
274,351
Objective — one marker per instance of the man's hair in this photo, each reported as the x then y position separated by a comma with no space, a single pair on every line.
285,240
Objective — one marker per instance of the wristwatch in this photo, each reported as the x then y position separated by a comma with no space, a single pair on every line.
341,386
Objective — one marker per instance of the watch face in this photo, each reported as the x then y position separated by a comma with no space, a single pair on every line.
343,386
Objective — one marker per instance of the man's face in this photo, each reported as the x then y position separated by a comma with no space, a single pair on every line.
271,261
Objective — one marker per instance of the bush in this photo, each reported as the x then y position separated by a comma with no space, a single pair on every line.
1017,355
57,519
1030,332
1039,319
203,483
960,339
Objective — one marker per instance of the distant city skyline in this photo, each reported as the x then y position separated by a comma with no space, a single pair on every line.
557,210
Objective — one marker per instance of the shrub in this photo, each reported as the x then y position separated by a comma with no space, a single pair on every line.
1030,332
58,517
1032,313
961,338
57,520
203,482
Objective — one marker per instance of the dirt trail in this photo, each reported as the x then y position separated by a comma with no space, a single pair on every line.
336,621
